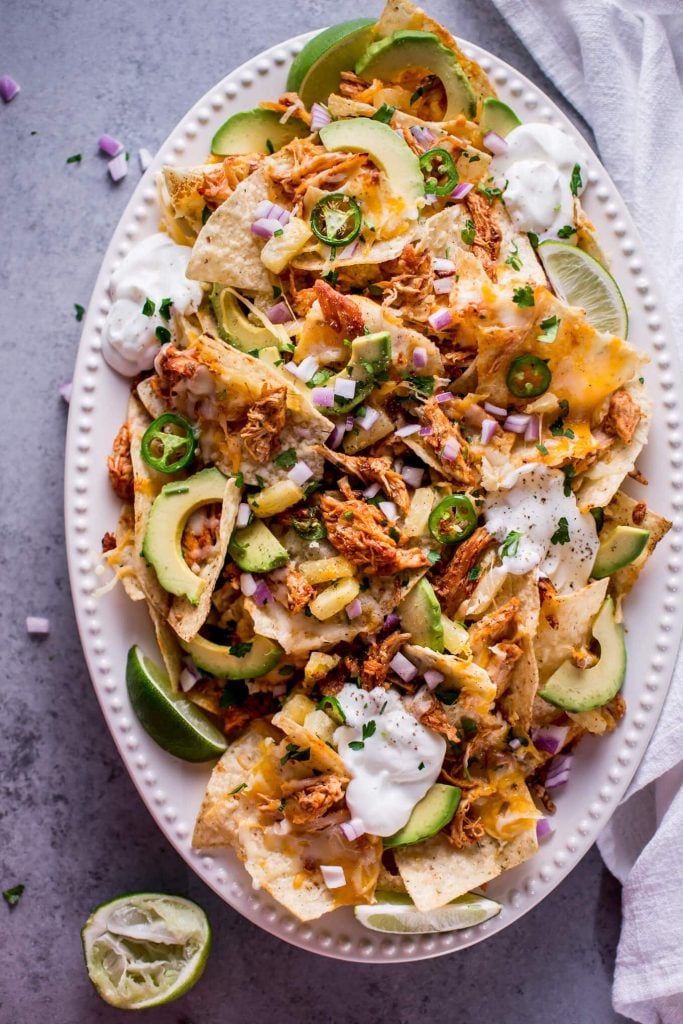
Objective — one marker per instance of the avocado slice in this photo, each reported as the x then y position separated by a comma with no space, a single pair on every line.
255,549
619,548
370,356
235,327
316,71
161,544
497,117
408,48
420,614
218,660
392,154
435,809
251,131
575,689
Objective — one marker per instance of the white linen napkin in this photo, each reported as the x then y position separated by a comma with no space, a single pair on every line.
619,63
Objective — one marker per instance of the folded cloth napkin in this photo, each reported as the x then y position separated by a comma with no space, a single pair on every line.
619,63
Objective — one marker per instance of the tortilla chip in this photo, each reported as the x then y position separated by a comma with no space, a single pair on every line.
181,192
565,623
435,872
518,700
602,480
477,691
620,512
168,647
185,618
226,252
301,634
122,559
379,252
322,757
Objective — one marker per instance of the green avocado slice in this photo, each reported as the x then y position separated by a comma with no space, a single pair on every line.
218,660
619,548
429,816
161,546
235,327
420,614
370,356
575,689
256,131
316,71
497,117
408,48
255,549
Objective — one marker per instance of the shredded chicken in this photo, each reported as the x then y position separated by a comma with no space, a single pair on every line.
498,625
454,585
235,717
442,431
302,165
546,589
339,311
372,470
314,799
120,465
265,420
351,85
291,586
201,534
408,286
108,542
221,182
623,416
434,717
375,667
639,513
504,657
466,827
347,668
486,246
359,531
289,101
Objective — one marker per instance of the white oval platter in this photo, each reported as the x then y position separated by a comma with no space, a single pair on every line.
108,625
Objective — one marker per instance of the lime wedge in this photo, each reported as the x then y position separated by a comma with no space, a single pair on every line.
170,718
581,281
396,913
145,948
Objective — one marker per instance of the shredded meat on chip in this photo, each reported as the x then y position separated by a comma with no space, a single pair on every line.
292,586
375,667
444,430
219,184
265,420
623,416
120,465
454,585
498,625
339,311
312,799
359,531
302,165
372,470
408,286
486,245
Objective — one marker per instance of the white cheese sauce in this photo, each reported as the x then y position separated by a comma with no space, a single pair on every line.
528,511
537,166
396,765
154,270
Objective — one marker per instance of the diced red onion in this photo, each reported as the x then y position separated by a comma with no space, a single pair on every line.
353,829
495,410
109,145
442,319
188,679
397,465
37,625
271,211
8,88
248,584
243,514
549,738
426,431
372,490
280,690
65,391
419,357
349,423
323,397
451,450
320,116
265,227
514,744
279,313
517,422
443,285
495,143
432,678
368,419
445,396
388,508
488,429
145,158
533,430
442,266
333,875
461,190
412,475
354,608
300,473
410,428
431,200
391,622
543,829
118,167
558,772
403,668
262,594
336,437
423,136
345,387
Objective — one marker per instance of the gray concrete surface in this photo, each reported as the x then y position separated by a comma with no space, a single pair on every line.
71,825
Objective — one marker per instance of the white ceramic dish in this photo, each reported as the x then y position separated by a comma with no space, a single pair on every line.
171,789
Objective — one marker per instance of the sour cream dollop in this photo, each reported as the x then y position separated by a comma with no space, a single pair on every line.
155,270
528,511
397,763
538,165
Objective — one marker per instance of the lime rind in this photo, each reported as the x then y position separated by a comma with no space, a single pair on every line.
145,949
579,279
405,919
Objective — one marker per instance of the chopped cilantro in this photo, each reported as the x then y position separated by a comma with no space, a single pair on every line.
374,289
148,308
286,459
13,895
235,693
79,311
420,766
295,753
566,232
468,726
510,545
277,291
281,806
474,573
524,296
330,276
163,334
491,192
561,535
286,670
241,648
165,309
238,789
557,428
542,449
206,213
269,146
356,745
384,114
550,326
422,89
469,232
369,729
641,380
318,379
514,260
239,478
278,233
394,534
75,159
575,182
473,157
423,385
433,557
533,239
447,696
569,474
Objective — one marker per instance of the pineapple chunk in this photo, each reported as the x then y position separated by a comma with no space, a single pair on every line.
275,498
281,249
456,639
324,570
320,724
357,439
421,504
298,707
270,354
318,666
334,599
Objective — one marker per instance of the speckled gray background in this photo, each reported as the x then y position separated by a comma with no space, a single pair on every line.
72,827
